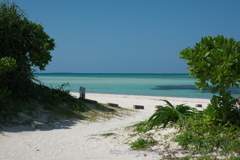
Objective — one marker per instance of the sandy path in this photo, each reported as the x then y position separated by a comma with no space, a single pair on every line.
82,140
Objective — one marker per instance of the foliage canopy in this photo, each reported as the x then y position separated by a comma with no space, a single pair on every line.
214,62
23,45
22,39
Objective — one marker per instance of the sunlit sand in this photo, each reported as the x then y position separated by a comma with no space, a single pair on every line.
84,140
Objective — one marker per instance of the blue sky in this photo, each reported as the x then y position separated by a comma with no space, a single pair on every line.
129,36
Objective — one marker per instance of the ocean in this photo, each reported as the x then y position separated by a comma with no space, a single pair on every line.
164,85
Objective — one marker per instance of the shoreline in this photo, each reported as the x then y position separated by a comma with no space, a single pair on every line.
131,95
127,101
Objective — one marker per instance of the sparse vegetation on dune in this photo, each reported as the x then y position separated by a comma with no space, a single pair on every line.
49,106
194,133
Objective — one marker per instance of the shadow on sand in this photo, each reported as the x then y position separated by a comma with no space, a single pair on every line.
45,120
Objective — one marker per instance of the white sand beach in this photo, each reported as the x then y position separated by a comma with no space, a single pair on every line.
83,140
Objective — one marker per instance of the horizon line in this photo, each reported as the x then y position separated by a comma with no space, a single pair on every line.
99,73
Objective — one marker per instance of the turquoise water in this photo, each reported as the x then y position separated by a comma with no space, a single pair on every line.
167,85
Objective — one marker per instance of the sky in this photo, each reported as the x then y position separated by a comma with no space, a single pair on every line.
129,36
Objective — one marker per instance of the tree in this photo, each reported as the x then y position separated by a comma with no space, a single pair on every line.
215,63
23,45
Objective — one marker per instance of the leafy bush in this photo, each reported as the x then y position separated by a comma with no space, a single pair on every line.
214,60
169,113
23,45
222,110
215,64
4,93
7,64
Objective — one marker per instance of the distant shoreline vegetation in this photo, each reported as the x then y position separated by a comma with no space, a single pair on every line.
69,73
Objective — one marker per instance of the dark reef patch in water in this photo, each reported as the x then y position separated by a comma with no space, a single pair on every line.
233,90
175,87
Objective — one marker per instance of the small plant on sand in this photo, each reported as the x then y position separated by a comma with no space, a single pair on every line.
108,134
142,144
172,114
141,127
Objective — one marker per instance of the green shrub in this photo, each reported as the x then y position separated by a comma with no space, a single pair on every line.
221,112
23,46
169,113
215,64
7,64
4,93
